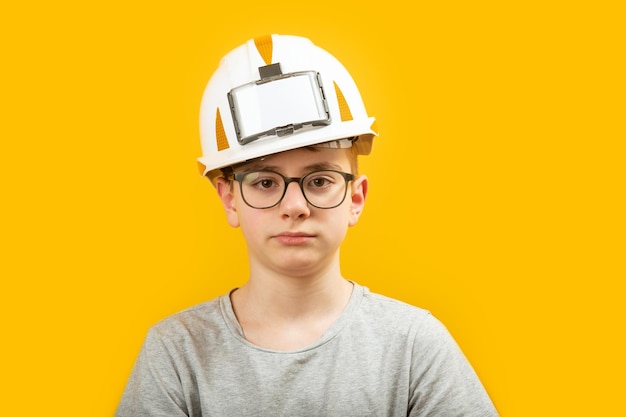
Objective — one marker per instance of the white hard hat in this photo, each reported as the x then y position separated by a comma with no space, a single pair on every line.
277,93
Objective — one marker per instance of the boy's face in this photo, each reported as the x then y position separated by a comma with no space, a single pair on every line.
293,237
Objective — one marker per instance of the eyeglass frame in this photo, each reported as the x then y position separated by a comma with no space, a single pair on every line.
239,176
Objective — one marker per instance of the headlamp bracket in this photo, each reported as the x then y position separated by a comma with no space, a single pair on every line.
270,71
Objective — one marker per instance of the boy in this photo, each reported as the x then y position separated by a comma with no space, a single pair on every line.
282,123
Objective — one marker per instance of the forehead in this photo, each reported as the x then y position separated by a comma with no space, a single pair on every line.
302,160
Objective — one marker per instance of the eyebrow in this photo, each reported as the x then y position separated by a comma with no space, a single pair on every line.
320,166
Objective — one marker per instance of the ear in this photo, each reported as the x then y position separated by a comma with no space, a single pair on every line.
225,192
357,204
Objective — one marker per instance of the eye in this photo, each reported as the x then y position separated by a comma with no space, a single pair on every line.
266,183
321,180
262,180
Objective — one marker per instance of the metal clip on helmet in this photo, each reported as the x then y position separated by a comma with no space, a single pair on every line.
277,93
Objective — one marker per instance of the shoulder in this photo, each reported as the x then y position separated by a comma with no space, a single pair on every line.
382,302
393,316
381,308
191,323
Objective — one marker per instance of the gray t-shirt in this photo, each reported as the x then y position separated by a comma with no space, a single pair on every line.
381,357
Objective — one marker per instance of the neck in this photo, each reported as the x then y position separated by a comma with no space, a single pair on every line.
292,297
286,315
288,311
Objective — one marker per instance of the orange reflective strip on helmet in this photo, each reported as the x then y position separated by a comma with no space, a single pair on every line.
265,46
220,135
344,109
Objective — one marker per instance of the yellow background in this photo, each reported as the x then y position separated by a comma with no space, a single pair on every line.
496,187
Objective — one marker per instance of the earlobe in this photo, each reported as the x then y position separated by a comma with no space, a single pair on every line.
225,192
359,193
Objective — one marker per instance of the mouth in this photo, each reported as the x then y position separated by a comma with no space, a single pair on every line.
294,238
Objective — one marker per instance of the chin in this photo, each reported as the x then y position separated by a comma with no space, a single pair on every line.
302,267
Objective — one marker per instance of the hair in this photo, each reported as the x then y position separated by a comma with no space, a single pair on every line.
227,172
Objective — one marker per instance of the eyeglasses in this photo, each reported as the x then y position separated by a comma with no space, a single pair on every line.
265,189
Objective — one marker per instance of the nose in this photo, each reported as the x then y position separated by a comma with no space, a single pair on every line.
294,204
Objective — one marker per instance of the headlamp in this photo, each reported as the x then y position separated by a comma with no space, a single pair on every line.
278,104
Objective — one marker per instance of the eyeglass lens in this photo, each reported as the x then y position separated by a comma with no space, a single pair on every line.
322,189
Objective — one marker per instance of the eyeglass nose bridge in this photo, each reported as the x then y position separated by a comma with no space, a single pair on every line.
297,180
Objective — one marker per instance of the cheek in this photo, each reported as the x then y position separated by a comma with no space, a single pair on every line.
250,220
337,231
339,221
242,213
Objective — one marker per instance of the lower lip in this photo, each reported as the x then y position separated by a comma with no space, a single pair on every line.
293,240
